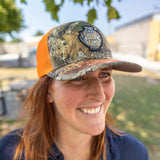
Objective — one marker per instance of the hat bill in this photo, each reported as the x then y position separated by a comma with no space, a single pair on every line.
80,68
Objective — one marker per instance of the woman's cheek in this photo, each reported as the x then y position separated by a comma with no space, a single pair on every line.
72,98
109,90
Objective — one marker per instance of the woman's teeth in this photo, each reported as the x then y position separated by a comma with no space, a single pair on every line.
91,111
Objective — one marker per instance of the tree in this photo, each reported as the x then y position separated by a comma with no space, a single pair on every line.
10,17
39,33
15,40
111,12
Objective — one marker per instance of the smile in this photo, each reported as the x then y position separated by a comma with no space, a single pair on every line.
91,110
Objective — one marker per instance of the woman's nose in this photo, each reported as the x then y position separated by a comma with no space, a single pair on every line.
95,90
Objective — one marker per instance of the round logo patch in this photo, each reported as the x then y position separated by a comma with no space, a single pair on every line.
90,38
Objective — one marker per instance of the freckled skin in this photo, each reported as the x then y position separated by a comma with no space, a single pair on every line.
94,90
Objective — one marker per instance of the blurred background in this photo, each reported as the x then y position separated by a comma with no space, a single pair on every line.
132,29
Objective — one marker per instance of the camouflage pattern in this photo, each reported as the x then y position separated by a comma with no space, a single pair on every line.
75,48
65,46
75,70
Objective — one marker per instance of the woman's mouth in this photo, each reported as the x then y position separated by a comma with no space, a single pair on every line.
91,110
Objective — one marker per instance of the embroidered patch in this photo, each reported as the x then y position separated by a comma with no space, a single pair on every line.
90,38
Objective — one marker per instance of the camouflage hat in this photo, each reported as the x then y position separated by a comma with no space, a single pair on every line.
73,49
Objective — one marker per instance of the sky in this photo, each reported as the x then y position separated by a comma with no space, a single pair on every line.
37,18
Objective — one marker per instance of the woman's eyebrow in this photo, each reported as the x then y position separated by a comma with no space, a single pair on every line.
106,69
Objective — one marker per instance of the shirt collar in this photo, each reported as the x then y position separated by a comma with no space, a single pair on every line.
56,154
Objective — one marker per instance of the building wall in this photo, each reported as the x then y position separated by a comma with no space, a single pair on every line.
140,37
14,48
153,52
133,39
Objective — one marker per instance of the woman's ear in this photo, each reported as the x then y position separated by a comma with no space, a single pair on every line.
50,96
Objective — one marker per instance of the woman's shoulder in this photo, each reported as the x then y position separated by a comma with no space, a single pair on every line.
123,146
8,144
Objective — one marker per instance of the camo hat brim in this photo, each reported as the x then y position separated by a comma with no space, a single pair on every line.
74,49
81,68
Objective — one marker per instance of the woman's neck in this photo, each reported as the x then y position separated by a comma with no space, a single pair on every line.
74,146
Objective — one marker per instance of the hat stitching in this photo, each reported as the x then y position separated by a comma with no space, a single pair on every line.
91,38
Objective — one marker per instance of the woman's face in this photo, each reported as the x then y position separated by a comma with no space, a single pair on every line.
81,104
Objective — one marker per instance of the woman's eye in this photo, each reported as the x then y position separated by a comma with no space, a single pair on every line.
78,79
104,75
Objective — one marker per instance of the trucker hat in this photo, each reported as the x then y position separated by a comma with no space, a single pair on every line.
73,49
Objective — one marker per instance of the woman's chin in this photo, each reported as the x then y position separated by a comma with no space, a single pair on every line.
93,131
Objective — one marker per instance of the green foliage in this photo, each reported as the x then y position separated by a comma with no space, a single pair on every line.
53,8
39,33
2,39
108,3
15,40
92,15
112,13
10,17
23,1
89,1
79,1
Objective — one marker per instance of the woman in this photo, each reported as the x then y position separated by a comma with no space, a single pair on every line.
67,107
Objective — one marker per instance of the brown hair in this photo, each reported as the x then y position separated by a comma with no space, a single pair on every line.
40,129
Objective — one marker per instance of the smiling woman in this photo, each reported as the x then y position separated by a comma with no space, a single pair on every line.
67,106
81,104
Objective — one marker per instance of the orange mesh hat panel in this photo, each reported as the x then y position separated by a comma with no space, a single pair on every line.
43,58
